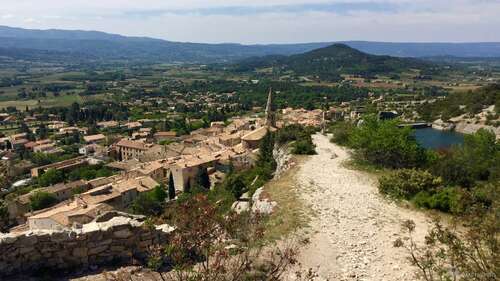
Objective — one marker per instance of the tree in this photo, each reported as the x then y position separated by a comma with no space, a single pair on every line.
42,132
383,143
235,184
25,129
171,187
146,204
478,159
41,200
52,176
159,193
266,149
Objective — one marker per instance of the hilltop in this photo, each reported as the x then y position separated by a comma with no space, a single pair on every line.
330,62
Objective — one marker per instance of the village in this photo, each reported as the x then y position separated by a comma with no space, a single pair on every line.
139,163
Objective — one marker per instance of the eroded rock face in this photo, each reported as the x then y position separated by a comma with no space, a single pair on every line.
443,126
282,155
97,243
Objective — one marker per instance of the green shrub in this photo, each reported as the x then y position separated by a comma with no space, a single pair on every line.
304,147
341,132
145,204
383,143
478,159
446,200
235,184
41,200
293,132
50,177
406,183
89,172
453,170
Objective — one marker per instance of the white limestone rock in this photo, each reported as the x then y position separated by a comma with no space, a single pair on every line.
262,204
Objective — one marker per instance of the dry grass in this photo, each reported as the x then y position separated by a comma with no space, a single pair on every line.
290,214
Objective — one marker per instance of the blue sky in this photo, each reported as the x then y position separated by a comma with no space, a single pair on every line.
267,21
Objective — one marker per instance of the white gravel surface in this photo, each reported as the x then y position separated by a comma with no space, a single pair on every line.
352,232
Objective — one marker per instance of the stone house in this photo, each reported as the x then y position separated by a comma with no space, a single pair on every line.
129,149
185,169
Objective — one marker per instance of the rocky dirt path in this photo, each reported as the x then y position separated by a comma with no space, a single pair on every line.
352,232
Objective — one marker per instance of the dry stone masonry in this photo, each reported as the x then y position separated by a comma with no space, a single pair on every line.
118,240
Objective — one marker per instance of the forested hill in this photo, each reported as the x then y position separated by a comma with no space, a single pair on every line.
329,62
456,104
57,44
104,46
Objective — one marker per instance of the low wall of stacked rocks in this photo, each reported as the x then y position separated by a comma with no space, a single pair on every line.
119,240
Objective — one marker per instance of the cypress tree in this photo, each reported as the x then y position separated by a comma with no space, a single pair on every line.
266,151
171,187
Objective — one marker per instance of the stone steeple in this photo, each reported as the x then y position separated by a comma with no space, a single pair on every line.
270,117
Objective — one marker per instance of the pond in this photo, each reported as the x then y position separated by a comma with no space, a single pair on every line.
434,139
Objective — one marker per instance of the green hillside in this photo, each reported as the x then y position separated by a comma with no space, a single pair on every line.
329,62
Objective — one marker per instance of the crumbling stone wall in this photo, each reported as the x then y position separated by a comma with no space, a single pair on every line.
117,240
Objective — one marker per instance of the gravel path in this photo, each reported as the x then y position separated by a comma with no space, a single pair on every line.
353,229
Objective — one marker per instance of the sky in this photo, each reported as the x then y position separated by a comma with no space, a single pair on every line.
266,21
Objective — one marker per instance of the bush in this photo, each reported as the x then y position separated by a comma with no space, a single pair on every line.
293,132
341,132
453,170
149,203
50,177
89,172
406,183
446,200
235,184
41,200
304,147
383,143
478,159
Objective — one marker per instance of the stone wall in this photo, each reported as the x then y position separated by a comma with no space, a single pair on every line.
118,240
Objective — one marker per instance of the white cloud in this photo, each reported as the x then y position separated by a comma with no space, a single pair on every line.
7,16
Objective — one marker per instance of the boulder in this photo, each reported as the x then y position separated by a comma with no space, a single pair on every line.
261,203
241,206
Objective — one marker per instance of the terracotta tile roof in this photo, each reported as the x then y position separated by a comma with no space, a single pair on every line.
255,135
166,134
132,144
92,138
65,186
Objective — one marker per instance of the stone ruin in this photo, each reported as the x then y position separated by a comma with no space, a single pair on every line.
118,240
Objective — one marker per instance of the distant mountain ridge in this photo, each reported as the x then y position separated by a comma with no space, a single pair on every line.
105,46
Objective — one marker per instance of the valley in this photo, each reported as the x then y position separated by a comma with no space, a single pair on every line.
134,158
